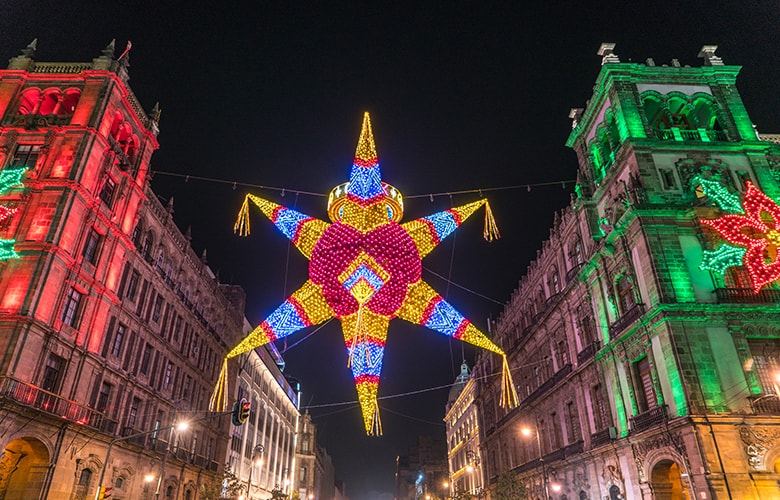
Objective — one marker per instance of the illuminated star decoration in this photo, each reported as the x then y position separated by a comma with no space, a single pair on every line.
8,178
364,269
751,228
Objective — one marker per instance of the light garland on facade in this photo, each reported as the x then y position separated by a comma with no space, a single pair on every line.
365,269
752,230
8,179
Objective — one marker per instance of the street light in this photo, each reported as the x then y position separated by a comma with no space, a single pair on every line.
179,427
257,450
525,431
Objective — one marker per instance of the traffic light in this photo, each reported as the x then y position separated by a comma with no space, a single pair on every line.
240,411
105,493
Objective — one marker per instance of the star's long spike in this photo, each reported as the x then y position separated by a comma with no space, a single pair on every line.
305,307
428,232
366,350
424,306
301,229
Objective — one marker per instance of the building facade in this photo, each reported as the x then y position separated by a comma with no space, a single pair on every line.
316,476
262,451
423,474
645,357
112,329
463,446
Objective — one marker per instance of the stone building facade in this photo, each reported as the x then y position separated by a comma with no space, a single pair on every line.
316,475
463,445
641,373
112,329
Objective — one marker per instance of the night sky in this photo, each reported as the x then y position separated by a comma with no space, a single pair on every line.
462,96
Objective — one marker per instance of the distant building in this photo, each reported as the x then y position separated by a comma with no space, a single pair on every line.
463,450
316,479
111,328
422,473
641,372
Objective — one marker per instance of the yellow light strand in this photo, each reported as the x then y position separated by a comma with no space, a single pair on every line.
490,231
242,222
508,392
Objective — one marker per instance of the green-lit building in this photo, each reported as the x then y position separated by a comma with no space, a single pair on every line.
644,343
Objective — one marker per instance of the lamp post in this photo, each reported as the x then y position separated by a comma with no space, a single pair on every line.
257,450
125,438
527,432
180,427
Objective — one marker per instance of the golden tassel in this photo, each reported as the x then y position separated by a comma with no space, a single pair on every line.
490,231
376,429
218,400
242,222
508,392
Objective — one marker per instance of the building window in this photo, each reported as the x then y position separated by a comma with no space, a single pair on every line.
577,252
167,376
555,284
91,245
157,309
132,285
103,397
147,355
52,373
766,363
599,405
303,474
667,177
26,156
119,338
573,422
305,446
72,309
645,393
625,292
132,415
107,191
85,477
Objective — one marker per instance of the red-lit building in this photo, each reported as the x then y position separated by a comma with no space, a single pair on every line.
111,327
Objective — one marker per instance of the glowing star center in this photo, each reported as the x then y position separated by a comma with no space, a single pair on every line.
363,278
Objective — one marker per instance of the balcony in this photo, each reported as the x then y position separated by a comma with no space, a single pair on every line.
747,296
700,134
626,320
47,402
603,437
588,352
571,274
650,418
765,404
548,384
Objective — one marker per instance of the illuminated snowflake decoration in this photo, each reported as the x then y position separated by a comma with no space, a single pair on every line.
752,229
365,268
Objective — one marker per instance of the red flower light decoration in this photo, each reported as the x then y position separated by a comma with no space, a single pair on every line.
756,231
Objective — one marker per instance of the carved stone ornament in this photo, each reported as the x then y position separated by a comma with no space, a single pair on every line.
758,440
641,449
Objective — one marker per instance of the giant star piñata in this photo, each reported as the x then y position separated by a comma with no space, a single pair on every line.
365,269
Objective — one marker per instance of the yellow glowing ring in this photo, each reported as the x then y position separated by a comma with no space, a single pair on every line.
338,196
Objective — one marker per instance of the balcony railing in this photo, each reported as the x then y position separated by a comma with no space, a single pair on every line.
572,273
747,296
625,320
700,134
765,404
603,437
588,352
650,418
45,401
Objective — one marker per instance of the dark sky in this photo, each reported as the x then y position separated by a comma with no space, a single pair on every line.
462,96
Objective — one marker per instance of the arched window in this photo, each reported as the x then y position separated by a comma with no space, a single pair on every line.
29,101
147,247
576,252
85,477
116,125
555,283
49,103
69,101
